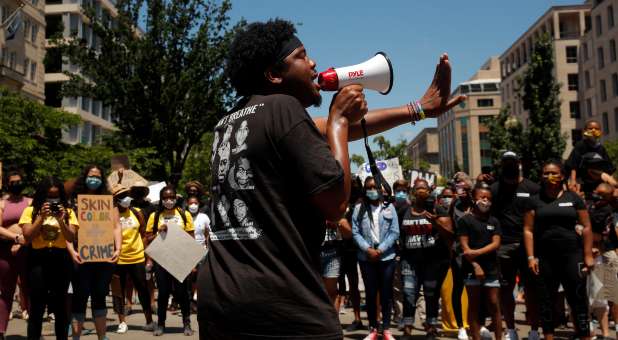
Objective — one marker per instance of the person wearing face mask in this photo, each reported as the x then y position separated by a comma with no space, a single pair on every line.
48,224
557,254
479,235
510,194
425,258
196,189
92,279
169,213
375,229
575,165
596,170
138,193
131,262
13,252
201,223
402,201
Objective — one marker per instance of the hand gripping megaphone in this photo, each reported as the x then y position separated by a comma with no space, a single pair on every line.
375,73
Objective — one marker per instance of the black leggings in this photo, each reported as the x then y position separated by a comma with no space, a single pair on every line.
458,287
167,285
92,281
50,273
137,273
562,267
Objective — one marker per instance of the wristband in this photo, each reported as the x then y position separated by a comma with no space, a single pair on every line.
531,258
421,113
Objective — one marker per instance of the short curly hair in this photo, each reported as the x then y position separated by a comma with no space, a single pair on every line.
253,50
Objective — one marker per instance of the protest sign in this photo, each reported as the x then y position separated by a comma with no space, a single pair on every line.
390,169
430,177
95,236
176,251
154,191
129,177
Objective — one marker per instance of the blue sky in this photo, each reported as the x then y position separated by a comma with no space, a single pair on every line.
412,32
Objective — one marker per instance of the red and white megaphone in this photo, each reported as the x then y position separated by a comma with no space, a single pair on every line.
375,73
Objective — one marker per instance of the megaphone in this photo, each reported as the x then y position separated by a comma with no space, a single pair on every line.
375,73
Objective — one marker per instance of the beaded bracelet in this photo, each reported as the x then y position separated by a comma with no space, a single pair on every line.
411,113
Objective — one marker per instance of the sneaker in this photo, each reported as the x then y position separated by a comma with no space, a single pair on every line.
511,334
354,326
485,333
187,330
158,331
387,335
373,335
462,334
534,335
149,327
122,328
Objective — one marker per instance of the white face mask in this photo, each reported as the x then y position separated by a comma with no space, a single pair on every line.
193,208
169,204
125,202
483,206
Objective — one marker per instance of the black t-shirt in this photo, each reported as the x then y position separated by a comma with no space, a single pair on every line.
575,162
555,221
509,206
480,234
600,218
261,276
420,238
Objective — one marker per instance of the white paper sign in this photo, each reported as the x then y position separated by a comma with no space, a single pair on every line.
390,169
430,177
154,191
176,251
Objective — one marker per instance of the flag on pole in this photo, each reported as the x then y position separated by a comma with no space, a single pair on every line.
12,24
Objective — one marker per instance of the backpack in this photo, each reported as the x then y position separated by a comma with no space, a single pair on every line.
155,227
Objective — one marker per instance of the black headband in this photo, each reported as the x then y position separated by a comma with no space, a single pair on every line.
288,47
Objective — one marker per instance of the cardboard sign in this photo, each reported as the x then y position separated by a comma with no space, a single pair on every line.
96,228
390,169
176,251
430,177
129,177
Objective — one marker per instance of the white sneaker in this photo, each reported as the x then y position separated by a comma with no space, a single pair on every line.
534,335
373,335
485,333
122,328
462,335
387,335
511,334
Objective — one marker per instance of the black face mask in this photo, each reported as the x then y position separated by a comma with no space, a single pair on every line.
16,188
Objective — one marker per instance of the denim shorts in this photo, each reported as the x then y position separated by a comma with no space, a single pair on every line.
331,263
489,281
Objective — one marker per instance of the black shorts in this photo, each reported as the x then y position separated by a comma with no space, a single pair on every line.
512,260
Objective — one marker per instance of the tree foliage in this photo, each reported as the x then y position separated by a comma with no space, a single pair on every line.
386,150
611,146
505,134
165,84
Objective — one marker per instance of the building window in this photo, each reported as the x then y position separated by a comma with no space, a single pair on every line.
585,49
587,23
612,50
96,108
86,130
73,132
26,67
600,57
490,87
615,84
574,109
605,123
571,54
35,2
603,87
587,79
34,33
488,102
589,107
616,119
598,22
4,55
86,104
27,25
5,13
573,81
33,67
73,24
13,60
475,88
610,16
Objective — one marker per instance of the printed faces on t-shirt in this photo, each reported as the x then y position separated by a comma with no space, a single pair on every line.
418,233
232,171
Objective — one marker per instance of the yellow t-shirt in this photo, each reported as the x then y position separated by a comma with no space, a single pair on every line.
166,219
50,234
132,250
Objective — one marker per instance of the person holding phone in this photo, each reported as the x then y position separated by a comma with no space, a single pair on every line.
557,254
49,224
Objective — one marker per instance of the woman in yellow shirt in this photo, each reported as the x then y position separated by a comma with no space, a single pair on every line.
132,259
48,223
167,214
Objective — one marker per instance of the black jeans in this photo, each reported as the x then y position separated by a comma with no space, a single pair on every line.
167,285
49,274
562,267
378,276
137,273
92,281
458,287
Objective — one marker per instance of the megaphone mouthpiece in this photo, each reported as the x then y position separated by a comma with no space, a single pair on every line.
375,73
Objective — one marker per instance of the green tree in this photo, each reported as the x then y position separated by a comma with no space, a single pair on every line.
198,162
165,83
424,165
386,150
505,133
540,96
357,160
611,146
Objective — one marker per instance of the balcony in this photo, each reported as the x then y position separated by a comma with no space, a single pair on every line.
11,77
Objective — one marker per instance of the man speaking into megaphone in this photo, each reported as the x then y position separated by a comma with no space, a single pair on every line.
278,175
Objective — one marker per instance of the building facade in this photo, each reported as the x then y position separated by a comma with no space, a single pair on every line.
425,147
21,58
66,18
462,131
598,63
566,25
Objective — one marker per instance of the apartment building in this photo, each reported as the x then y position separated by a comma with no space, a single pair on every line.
21,58
425,146
462,131
566,25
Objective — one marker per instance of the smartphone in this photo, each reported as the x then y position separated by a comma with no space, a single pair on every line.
580,269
